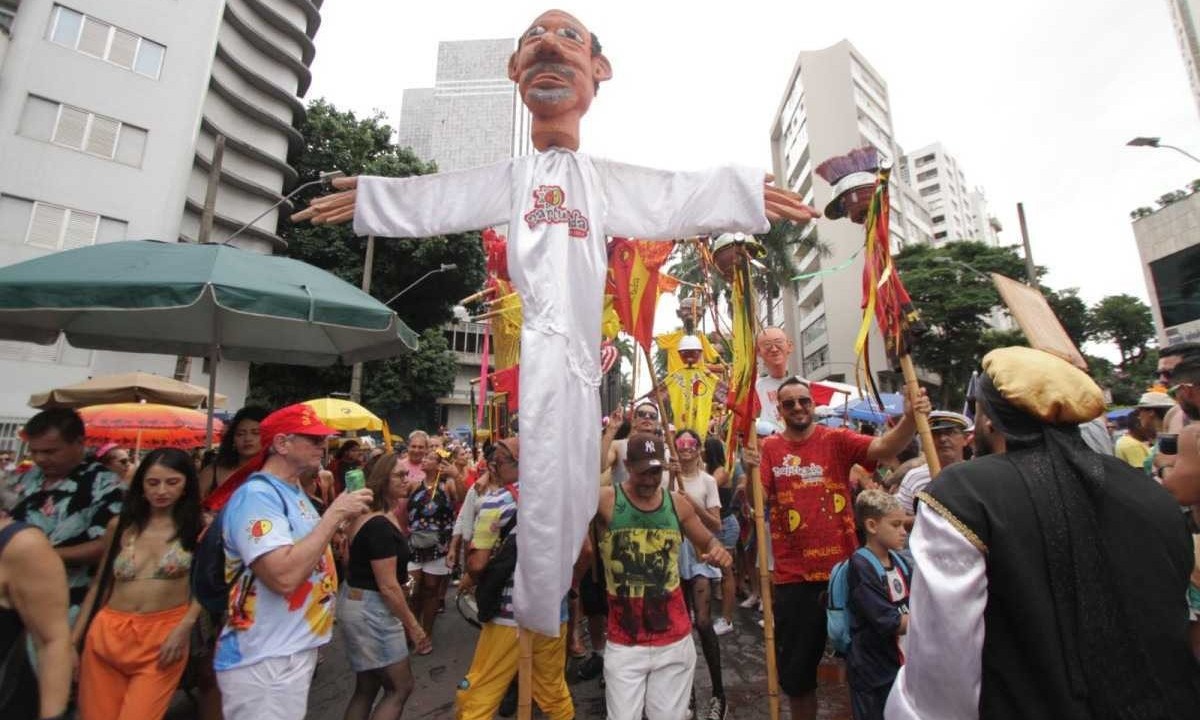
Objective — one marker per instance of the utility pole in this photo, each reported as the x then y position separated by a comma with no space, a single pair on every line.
183,363
357,369
1030,268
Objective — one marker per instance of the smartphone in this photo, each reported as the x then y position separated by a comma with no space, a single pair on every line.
355,480
1168,444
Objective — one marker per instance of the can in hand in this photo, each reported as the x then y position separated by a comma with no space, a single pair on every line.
355,480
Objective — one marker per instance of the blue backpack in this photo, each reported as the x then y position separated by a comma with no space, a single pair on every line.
837,607
209,586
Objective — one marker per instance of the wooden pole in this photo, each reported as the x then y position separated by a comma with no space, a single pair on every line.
183,363
765,589
525,675
662,418
356,372
912,390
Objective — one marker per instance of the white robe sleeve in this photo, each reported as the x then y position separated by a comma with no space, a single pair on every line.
660,204
426,205
943,661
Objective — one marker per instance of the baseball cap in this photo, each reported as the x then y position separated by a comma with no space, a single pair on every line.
644,451
946,420
298,419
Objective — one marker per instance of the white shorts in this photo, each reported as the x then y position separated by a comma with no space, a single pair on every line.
436,566
272,689
656,680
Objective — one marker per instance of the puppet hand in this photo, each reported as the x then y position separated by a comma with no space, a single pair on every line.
781,204
333,208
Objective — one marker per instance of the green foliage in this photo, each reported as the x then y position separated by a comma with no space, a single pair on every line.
1126,384
1141,212
1125,321
955,302
338,140
1171,198
785,244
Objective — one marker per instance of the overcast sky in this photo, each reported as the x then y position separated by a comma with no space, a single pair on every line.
1036,99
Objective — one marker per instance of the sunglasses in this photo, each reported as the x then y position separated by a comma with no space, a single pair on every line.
686,443
646,415
792,403
1175,388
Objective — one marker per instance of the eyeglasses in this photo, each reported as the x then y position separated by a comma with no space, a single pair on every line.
1175,388
1164,374
686,443
646,415
778,345
792,403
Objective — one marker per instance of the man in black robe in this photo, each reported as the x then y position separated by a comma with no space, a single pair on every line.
1050,580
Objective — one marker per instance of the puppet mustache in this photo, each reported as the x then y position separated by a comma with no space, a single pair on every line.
559,69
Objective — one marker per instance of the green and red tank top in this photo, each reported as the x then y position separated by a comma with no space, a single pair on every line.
641,569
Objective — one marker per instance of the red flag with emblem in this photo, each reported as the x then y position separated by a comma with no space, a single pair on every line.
633,278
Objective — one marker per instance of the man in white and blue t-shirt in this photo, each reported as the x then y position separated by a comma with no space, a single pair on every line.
280,571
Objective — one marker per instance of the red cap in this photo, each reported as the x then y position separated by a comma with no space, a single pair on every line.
298,419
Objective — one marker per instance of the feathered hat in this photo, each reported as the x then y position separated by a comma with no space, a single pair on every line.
854,170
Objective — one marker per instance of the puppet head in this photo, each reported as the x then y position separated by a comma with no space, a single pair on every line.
690,350
775,348
726,251
558,67
853,179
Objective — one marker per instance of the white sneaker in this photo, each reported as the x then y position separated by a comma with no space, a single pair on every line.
722,626
749,602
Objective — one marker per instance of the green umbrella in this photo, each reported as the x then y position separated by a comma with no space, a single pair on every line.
216,301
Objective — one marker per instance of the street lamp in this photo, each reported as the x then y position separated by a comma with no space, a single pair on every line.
324,178
1156,143
444,268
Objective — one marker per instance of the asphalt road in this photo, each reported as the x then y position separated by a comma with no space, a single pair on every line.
454,644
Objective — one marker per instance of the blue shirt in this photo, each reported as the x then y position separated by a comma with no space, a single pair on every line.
263,515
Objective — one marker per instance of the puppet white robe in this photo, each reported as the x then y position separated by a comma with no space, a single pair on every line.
560,206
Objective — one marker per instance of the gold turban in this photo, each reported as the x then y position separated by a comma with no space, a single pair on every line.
1044,385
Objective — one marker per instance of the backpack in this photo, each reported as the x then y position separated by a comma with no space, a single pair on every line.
209,585
489,590
837,607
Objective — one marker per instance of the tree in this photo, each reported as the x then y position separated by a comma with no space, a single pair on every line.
1125,321
1141,212
1171,198
785,242
955,301
339,140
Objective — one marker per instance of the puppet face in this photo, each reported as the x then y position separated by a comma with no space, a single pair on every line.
557,75
690,357
774,348
857,202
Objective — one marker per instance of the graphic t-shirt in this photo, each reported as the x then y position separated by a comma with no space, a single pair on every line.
264,514
808,488
768,397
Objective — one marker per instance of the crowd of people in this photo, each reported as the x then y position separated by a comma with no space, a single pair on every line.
981,589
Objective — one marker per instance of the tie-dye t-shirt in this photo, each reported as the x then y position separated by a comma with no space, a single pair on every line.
263,515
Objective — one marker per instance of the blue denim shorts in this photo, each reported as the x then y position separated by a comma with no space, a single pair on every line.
374,637
729,531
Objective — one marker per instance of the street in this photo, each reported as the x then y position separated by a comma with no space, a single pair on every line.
454,643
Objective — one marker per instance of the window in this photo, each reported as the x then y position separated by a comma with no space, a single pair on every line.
58,228
926,159
930,189
99,39
939,235
937,219
78,129
927,175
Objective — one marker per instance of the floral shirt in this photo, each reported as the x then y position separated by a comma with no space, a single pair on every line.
431,520
71,512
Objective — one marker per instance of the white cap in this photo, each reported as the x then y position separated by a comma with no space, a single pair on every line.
690,342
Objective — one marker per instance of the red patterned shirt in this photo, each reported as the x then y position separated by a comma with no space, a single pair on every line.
807,486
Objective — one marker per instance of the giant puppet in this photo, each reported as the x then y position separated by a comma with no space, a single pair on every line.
560,205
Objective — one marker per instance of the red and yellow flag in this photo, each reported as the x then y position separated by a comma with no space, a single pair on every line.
634,281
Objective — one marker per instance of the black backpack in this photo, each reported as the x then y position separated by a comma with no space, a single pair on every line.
489,590
209,586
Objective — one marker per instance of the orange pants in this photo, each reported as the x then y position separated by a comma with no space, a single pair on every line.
119,676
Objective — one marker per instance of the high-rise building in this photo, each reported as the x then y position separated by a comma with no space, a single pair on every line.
1170,252
108,116
835,101
1186,14
987,227
940,182
473,115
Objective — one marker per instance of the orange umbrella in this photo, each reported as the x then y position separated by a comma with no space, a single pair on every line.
146,425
